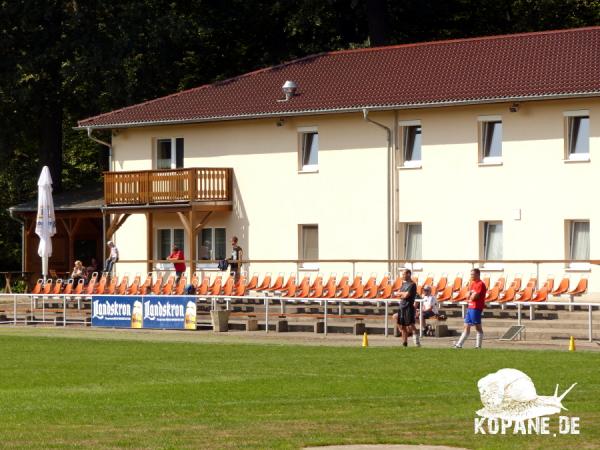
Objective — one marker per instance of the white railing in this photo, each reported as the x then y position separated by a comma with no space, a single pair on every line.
29,306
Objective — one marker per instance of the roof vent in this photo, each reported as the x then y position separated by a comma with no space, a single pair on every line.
289,89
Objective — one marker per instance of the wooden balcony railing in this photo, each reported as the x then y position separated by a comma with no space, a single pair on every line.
168,186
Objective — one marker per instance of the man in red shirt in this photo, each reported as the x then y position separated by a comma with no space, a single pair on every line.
177,254
476,299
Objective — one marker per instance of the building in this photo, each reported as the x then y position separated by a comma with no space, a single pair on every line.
472,149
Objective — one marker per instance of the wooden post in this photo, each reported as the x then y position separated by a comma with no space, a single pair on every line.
192,237
149,240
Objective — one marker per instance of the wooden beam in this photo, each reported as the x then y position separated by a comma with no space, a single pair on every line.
202,222
116,224
149,240
192,241
186,222
31,228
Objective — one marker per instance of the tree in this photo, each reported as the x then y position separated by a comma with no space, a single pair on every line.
64,60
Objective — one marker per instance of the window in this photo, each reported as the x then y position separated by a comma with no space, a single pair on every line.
309,149
492,243
490,141
579,242
166,239
578,136
169,153
212,244
309,246
412,241
411,144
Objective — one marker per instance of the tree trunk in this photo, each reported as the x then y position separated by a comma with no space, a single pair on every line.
50,150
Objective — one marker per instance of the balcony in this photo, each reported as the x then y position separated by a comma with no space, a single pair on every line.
159,187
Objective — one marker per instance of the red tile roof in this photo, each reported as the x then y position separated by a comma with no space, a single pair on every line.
551,64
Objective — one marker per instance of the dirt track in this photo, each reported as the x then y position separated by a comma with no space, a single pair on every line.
260,337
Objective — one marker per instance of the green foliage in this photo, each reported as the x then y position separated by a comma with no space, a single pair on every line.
64,60
135,390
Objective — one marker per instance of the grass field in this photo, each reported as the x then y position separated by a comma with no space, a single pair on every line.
58,392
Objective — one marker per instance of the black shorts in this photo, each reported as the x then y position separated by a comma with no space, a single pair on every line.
428,314
406,316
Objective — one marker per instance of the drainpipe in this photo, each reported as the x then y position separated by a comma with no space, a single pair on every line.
110,148
89,133
390,194
12,216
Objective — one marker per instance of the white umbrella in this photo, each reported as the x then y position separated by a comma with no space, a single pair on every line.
45,226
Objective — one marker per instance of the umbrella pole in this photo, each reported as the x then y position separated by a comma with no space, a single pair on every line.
44,268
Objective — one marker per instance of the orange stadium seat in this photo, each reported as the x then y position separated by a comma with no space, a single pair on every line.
180,288
329,290
266,283
37,289
122,289
203,288
68,287
580,289
56,290
440,285
134,287
147,285
316,289
252,283
563,287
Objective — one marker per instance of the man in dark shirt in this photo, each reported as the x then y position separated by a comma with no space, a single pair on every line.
236,254
406,314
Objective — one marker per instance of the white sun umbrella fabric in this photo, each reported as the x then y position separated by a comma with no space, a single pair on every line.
45,226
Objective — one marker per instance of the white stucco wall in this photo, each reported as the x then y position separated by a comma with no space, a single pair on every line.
450,194
346,198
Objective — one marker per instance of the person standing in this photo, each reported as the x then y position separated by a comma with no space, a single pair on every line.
236,255
112,258
476,299
178,258
405,316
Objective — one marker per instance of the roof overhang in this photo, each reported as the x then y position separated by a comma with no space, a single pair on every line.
352,109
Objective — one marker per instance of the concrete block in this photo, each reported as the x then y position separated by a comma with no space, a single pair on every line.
220,320
252,324
319,326
441,330
281,326
359,328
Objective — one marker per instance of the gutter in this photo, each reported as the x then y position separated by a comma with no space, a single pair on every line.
353,109
89,133
12,216
391,227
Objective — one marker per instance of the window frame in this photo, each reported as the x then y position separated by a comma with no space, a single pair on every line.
302,133
158,245
175,161
483,124
484,242
406,228
570,234
213,250
403,139
301,255
570,141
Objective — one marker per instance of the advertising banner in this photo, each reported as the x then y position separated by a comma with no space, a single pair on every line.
170,311
175,312
116,311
